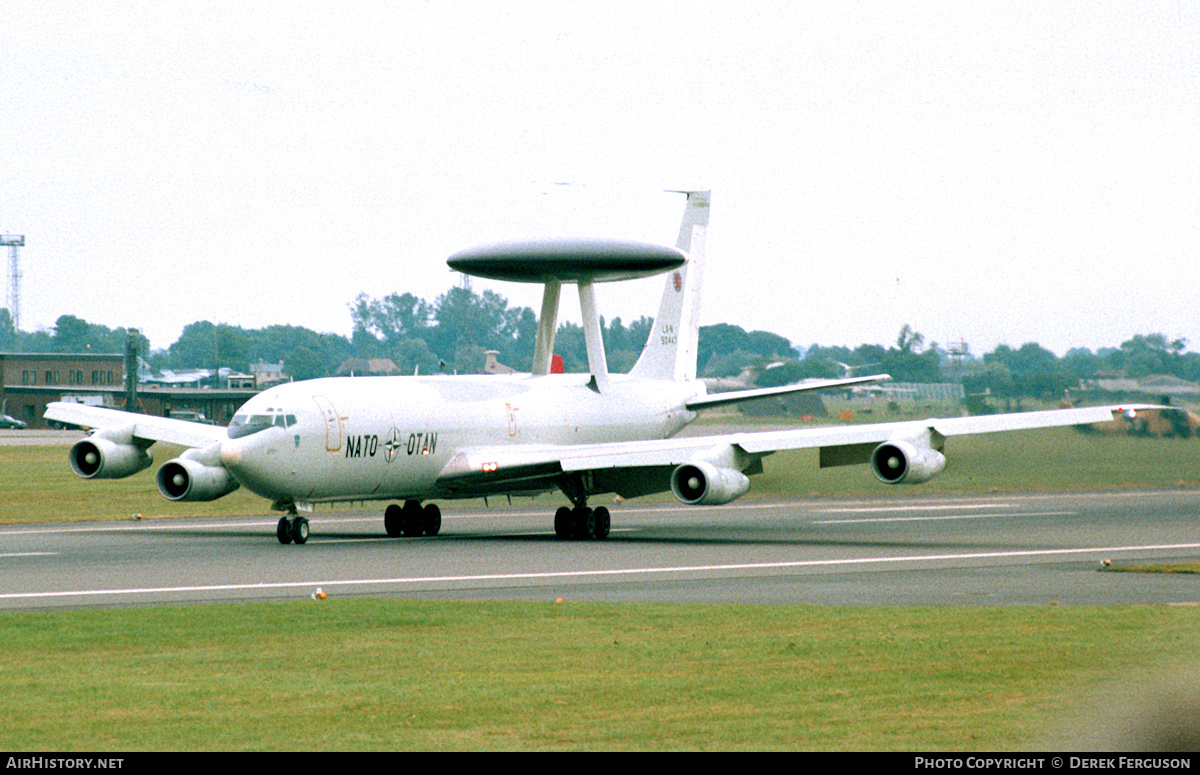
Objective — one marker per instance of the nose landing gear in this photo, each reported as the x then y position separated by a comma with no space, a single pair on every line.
292,529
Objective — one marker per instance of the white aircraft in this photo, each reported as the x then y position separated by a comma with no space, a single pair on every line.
422,438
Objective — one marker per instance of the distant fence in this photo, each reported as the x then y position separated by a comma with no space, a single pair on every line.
921,391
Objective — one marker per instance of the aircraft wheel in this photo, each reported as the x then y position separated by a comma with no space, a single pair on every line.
563,523
410,519
601,524
431,520
283,531
391,520
585,523
299,530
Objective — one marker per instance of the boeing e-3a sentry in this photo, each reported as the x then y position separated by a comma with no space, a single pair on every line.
413,440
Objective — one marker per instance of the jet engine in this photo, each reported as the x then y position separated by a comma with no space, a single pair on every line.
98,457
906,462
188,479
701,483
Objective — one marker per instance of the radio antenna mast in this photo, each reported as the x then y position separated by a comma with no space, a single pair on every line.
14,242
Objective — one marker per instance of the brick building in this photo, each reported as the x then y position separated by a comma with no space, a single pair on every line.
30,381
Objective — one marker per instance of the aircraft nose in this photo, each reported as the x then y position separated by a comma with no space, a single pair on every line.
250,459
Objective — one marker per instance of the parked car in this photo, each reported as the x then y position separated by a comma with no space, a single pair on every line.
8,421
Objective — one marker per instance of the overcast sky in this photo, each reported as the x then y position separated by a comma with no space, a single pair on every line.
992,172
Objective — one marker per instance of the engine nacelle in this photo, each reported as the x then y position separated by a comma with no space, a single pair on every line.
99,458
703,484
182,479
902,462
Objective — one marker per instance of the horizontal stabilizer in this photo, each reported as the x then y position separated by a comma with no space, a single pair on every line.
737,396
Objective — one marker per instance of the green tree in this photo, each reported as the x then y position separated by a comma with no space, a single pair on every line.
909,341
305,353
908,362
1147,354
769,346
1030,370
204,345
392,319
468,323
719,340
9,339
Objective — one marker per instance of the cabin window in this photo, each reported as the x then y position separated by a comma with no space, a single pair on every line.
247,424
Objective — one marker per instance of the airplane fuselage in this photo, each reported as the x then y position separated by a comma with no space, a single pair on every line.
371,438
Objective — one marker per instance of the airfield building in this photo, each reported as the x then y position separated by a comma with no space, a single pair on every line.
31,381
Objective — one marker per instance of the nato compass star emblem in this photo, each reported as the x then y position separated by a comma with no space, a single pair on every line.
393,445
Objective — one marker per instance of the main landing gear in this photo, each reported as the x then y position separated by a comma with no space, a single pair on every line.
412,520
582,523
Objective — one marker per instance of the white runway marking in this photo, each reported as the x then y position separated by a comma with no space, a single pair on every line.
130,528
925,507
584,575
1008,515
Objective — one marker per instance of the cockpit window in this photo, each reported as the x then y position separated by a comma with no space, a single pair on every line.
247,424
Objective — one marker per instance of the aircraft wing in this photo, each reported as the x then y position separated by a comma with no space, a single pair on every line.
679,451
641,467
144,426
737,396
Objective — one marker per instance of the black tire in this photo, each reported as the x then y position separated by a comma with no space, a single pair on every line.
299,530
410,519
391,520
585,523
601,524
431,520
563,524
283,531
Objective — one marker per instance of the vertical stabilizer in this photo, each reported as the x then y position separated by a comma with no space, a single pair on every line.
670,351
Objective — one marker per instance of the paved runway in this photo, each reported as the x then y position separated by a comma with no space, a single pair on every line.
904,551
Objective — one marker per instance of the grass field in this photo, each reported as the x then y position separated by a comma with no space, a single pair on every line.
382,674
378,674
